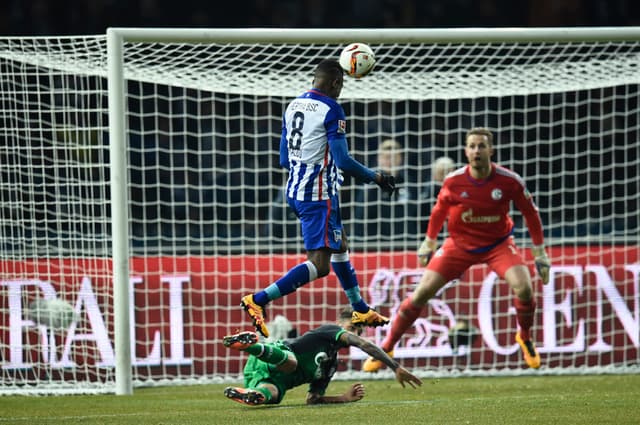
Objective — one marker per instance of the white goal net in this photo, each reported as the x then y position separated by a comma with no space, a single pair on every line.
173,197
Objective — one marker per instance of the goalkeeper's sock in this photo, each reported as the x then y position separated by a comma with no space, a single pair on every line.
407,314
296,277
268,353
347,276
525,311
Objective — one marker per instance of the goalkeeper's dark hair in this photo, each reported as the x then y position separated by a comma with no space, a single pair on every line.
330,68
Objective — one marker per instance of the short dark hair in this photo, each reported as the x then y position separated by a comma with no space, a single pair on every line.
480,131
346,313
330,68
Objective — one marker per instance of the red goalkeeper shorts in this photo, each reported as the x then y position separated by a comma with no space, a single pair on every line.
451,261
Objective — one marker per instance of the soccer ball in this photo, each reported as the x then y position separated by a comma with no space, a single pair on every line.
357,60
53,313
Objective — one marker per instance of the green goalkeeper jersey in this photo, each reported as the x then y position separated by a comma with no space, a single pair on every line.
314,369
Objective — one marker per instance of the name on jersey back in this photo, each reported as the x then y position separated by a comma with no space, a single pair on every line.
304,106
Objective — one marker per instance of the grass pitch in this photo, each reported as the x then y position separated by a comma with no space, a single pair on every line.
591,399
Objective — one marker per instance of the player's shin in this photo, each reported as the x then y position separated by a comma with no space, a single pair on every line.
346,274
296,277
525,311
268,353
407,314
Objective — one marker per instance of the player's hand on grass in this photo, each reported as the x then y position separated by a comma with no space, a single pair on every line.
542,262
386,182
404,376
355,393
426,250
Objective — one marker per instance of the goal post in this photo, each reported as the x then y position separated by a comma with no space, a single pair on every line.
142,185
119,212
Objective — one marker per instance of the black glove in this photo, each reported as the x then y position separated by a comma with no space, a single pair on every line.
386,182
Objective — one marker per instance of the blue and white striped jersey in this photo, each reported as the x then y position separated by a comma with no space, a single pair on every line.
309,123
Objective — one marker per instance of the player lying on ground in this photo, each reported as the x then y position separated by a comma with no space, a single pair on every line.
311,358
475,200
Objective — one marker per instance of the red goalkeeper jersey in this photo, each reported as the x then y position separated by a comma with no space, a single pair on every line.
478,210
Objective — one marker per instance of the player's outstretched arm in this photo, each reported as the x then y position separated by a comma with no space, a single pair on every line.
348,164
403,376
524,202
354,393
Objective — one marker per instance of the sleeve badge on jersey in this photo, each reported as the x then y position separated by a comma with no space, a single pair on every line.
342,126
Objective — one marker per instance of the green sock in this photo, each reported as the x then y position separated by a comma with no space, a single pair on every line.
268,353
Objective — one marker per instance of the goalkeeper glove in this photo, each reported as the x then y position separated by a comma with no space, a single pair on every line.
426,250
386,182
542,262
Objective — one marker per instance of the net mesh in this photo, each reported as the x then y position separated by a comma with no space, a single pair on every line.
208,223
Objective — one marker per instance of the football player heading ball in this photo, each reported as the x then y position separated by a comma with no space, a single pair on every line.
313,147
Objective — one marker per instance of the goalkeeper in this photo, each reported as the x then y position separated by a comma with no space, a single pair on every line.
313,147
475,201
312,358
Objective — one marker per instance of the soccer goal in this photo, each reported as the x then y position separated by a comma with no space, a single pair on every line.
140,183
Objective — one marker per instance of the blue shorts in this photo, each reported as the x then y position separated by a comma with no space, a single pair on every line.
321,223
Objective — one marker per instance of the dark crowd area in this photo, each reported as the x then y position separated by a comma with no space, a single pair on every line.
81,17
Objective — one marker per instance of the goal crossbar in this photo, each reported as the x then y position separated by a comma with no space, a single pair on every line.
375,35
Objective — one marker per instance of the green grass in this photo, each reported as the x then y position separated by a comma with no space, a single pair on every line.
584,400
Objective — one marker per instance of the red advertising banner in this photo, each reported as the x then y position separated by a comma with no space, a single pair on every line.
588,314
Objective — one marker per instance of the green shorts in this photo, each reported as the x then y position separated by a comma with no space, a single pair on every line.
258,372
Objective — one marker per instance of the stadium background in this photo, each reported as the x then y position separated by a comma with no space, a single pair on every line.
74,17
